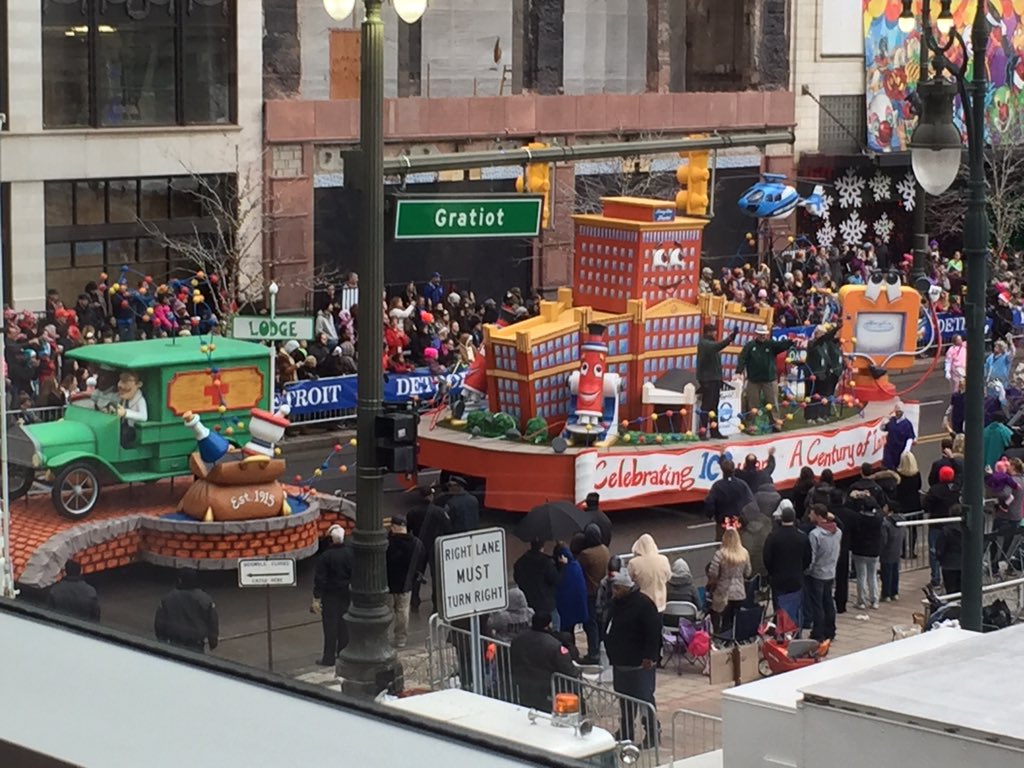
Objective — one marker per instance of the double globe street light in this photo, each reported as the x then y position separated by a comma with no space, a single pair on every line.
368,664
936,151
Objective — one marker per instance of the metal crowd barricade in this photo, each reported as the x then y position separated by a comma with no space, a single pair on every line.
449,661
36,415
694,733
629,719
1012,591
334,416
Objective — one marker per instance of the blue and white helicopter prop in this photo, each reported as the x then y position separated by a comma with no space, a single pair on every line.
772,198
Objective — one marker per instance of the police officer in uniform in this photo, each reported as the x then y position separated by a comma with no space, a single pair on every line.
187,616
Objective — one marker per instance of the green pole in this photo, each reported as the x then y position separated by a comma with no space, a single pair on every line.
976,257
369,665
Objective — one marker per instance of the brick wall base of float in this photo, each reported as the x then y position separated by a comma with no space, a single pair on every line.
104,544
219,546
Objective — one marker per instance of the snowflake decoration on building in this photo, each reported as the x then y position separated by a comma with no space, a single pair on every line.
826,235
853,229
881,186
850,188
907,189
826,205
884,227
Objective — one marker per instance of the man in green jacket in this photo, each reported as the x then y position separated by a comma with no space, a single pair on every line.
757,363
709,376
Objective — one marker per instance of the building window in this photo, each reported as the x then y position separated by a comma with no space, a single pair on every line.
138,63
98,225
842,124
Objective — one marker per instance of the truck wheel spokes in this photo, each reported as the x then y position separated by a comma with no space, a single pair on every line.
78,491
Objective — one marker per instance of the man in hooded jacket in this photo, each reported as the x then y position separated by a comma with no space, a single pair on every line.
824,538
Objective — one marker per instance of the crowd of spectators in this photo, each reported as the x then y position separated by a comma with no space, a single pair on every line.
435,326
438,325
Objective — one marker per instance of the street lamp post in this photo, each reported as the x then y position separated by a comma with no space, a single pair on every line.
936,153
369,665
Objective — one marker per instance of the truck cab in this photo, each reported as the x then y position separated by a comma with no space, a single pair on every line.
129,427
563,733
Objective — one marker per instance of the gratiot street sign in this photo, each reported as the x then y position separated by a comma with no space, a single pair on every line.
445,218
473,578
266,573
272,329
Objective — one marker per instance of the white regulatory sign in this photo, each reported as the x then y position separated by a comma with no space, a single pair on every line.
266,573
473,579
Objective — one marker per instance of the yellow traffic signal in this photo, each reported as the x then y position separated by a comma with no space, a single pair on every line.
693,176
537,181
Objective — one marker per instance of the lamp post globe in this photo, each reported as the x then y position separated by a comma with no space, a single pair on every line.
935,169
410,11
935,146
339,10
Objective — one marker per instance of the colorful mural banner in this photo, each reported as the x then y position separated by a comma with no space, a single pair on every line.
893,67
322,397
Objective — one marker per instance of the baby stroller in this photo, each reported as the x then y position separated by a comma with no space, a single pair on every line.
782,652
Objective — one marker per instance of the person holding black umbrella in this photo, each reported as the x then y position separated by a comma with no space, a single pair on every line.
592,504
536,574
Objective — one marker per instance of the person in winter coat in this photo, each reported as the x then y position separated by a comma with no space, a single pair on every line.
908,496
332,582
406,560
824,538
508,624
536,655
634,643
889,554
463,508
571,593
537,575
802,489
727,578
754,475
845,518
939,502
949,547
604,595
680,587
593,558
787,554
592,504
187,616
428,522
72,596
865,546
709,376
755,529
757,363
727,497
650,570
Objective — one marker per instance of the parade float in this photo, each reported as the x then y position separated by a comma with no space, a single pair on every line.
170,458
597,393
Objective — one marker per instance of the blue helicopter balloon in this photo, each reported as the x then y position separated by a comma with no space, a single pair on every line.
772,198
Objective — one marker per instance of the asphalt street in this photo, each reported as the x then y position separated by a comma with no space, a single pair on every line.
129,596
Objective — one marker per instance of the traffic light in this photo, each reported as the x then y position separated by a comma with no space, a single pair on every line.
396,434
537,181
693,176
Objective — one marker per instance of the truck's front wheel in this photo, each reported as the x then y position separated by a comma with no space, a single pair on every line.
76,490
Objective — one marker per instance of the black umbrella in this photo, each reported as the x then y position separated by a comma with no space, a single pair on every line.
556,521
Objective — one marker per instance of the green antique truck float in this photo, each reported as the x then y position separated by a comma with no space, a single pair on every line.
129,427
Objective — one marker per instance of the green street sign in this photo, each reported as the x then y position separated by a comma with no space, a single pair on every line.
450,218
276,329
